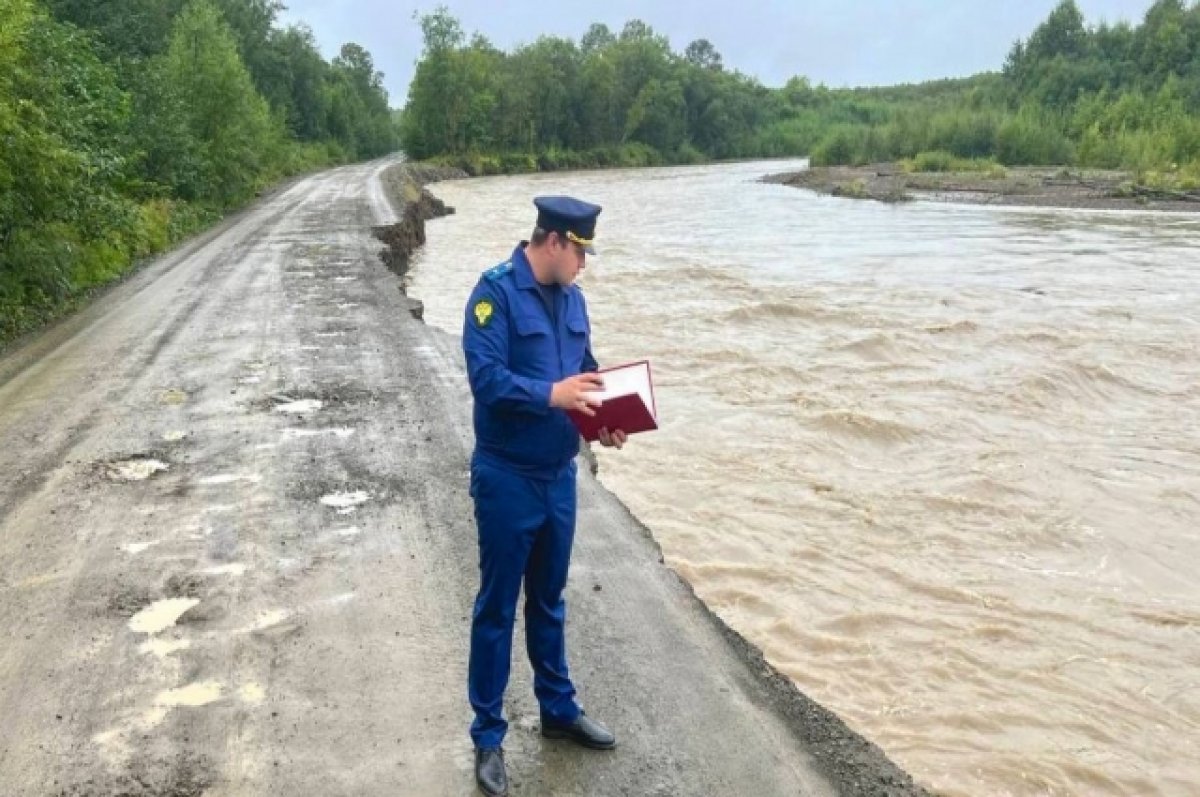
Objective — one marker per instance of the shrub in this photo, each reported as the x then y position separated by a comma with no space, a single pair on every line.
1026,140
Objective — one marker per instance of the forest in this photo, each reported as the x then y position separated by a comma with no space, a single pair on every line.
130,124
1108,96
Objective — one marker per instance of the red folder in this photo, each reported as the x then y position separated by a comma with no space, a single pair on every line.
628,403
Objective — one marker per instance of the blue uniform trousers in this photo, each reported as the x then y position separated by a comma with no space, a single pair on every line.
526,527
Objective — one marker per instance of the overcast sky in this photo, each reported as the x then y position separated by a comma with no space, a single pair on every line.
836,42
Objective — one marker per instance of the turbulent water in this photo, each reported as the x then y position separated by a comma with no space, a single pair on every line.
942,463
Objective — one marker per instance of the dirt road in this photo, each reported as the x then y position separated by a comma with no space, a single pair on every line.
237,555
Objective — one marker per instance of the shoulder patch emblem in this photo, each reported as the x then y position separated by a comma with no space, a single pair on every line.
496,272
483,312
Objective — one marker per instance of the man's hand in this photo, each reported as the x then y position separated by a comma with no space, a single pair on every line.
612,439
574,393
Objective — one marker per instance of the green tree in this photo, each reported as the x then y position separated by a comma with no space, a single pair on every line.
597,37
124,28
437,103
657,117
231,122
129,123
63,121
307,107
701,53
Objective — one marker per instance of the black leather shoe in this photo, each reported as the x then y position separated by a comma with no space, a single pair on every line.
584,731
489,772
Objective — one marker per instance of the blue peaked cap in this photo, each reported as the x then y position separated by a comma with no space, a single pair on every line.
569,216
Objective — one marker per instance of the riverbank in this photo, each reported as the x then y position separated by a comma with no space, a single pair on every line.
1024,186
626,156
404,185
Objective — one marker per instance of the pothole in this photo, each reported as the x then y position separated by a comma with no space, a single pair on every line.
334,431
300,406
208,611
163,647
173,396
135,548
230,569
135,469
160,615
252,694
128,601
306,402
266,620
184,585
351,492
227,478
345,502
200,693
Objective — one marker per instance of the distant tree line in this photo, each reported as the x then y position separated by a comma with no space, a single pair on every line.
127,124
611,98
1118,96
1109,96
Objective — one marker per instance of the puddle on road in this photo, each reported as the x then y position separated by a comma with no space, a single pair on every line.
300,406
136,469
200,693
252,694
160,615
164,647
336,431
172,396
231,569
134,548
345,502
228,478
174,436
350,531
267,619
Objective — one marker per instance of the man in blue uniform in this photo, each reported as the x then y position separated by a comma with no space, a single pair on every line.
526,338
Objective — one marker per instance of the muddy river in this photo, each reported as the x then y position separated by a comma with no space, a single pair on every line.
941,463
